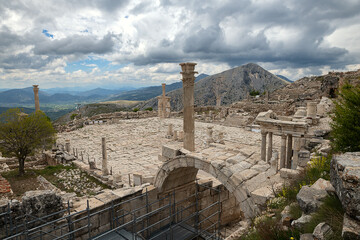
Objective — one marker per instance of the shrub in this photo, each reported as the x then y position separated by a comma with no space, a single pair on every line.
149,109
136,109
254,92
332,213
345,126
73,116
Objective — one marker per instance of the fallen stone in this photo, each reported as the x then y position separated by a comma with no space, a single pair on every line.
309,199
286,217
351,228
322,231
301,221
306,236
289,173
169,151
322,184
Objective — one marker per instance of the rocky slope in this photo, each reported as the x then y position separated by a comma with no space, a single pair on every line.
232,85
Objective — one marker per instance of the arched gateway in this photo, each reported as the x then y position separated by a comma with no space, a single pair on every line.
181,167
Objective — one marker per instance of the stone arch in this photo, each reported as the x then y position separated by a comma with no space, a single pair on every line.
183,169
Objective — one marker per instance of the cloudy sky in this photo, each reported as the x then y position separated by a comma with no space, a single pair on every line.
114,43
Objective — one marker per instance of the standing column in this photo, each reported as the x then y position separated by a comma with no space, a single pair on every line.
188,75
67,145
263,145
36,96
296,153
105,170
289,151
283,151
269,150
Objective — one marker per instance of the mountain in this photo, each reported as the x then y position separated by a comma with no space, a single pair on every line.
285,78
233,85
146,93
87,92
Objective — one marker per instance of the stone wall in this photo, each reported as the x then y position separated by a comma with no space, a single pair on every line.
345,177
132,200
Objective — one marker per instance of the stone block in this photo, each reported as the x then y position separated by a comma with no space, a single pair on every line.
161,158
351,228
170,151
301,221
322,231
345,177
309,199
289,173
306,236
322,184
261,195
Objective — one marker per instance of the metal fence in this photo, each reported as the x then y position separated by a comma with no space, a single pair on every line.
136,218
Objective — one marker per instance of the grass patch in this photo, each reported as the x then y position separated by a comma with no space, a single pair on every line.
28,182
295,211
332,213
270,229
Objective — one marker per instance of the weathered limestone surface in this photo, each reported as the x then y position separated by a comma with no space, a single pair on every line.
134,145
41,203
239,170
309,199
345,177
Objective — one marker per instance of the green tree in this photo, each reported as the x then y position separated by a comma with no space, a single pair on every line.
346,120
21,134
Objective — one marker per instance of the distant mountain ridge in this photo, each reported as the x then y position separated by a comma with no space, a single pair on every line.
146,93
285,78
233,85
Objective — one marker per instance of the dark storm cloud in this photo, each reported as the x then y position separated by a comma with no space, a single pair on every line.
76,44
24,61
313,21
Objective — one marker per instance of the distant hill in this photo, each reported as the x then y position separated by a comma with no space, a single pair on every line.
285,78
233,85
53,115
146,93
17,97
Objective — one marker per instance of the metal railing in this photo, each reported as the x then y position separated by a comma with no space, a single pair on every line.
159,219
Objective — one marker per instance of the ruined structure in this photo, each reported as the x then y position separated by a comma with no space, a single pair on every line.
164,107
36,96
270,124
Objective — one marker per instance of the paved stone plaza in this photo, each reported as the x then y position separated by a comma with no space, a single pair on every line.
133,145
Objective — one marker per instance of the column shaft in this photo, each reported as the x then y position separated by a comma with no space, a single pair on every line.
105,170
269,150
289,151
283,151
263,145
188,101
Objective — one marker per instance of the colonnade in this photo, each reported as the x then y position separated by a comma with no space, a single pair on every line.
289,150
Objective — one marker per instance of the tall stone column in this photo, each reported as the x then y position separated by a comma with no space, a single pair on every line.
105,170
289,151
296,153
188,75
283,151
263,145
269,150
218,101
36,96
163,89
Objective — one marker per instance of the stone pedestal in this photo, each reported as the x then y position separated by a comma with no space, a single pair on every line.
105,170
67,145
311,110
36,96
169,133
188,75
